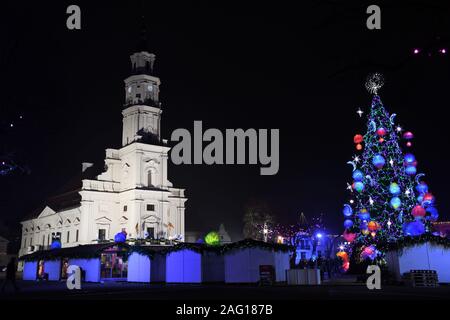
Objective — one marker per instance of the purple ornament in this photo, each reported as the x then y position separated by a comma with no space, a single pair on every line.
410,170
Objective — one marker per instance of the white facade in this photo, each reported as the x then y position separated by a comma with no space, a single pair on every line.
133,193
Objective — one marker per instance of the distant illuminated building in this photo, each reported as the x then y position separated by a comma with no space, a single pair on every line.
442,227
320,245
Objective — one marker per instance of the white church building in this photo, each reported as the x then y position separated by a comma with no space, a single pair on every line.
132,194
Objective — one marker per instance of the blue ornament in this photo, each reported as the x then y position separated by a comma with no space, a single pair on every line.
56,244
359,186
414,228
364,215
378,161
396,203
420,199
348,224
358,175
348,211
409,158
411,170
433,213
363,226
422,187
394,189
120,237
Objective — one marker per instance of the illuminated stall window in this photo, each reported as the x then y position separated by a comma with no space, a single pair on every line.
113,264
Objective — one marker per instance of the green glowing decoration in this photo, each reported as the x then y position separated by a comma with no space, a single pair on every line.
212,239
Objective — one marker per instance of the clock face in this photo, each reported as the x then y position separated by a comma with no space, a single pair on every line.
129,89
150,88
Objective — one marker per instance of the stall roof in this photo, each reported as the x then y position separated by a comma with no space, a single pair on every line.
219,249
81,252
95,250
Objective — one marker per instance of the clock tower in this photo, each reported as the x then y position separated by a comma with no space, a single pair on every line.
142,113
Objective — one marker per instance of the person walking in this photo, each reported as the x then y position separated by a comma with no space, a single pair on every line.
11,275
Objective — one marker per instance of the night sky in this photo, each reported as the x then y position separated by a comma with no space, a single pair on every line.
300,70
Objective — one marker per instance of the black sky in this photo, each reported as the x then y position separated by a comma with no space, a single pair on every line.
301,70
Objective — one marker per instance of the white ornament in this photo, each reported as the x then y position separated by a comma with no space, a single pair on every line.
360,112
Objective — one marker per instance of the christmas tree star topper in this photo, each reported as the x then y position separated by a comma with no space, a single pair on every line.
374,83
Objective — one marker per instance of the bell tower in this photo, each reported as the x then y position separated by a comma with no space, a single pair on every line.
142,109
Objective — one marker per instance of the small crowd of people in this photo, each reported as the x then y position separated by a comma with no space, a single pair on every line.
330,266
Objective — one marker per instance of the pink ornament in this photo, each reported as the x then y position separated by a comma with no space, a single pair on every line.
369,252
381,132
349,236
418,212
408,144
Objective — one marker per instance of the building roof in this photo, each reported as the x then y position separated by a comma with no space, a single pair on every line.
68,196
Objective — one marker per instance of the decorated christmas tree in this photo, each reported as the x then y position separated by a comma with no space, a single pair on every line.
389,200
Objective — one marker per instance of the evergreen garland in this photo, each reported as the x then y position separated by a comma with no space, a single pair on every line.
407,242
95,251
219,250
89,251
